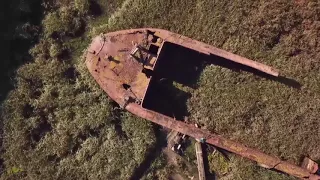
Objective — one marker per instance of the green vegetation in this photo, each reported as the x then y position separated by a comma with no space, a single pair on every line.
218,163
158,169
59,123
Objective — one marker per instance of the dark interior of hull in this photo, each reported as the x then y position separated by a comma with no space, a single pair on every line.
177,64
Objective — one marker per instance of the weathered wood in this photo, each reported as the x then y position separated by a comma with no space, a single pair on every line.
201,170
172,138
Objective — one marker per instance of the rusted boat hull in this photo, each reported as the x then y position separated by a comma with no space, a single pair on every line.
126,63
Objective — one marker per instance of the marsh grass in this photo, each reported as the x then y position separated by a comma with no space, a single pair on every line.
59,123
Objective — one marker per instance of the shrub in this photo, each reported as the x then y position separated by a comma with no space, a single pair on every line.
51,24
55,50
41,49
63,22
69,19
82,6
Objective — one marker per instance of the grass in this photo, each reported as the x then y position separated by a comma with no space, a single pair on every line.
58,123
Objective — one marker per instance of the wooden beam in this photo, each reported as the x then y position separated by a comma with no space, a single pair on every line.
201,170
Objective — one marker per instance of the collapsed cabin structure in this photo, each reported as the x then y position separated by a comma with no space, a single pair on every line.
133,67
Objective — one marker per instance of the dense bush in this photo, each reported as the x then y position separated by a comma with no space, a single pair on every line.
82,6
55,50
62,22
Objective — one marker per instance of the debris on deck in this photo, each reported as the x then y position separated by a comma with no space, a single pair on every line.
311,165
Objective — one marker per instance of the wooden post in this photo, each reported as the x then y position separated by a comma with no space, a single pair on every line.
201,170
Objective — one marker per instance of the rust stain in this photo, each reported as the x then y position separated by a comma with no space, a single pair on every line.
300,2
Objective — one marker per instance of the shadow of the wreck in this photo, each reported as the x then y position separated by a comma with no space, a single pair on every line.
219,61
152,153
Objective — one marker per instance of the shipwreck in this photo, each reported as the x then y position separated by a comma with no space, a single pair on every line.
130,66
